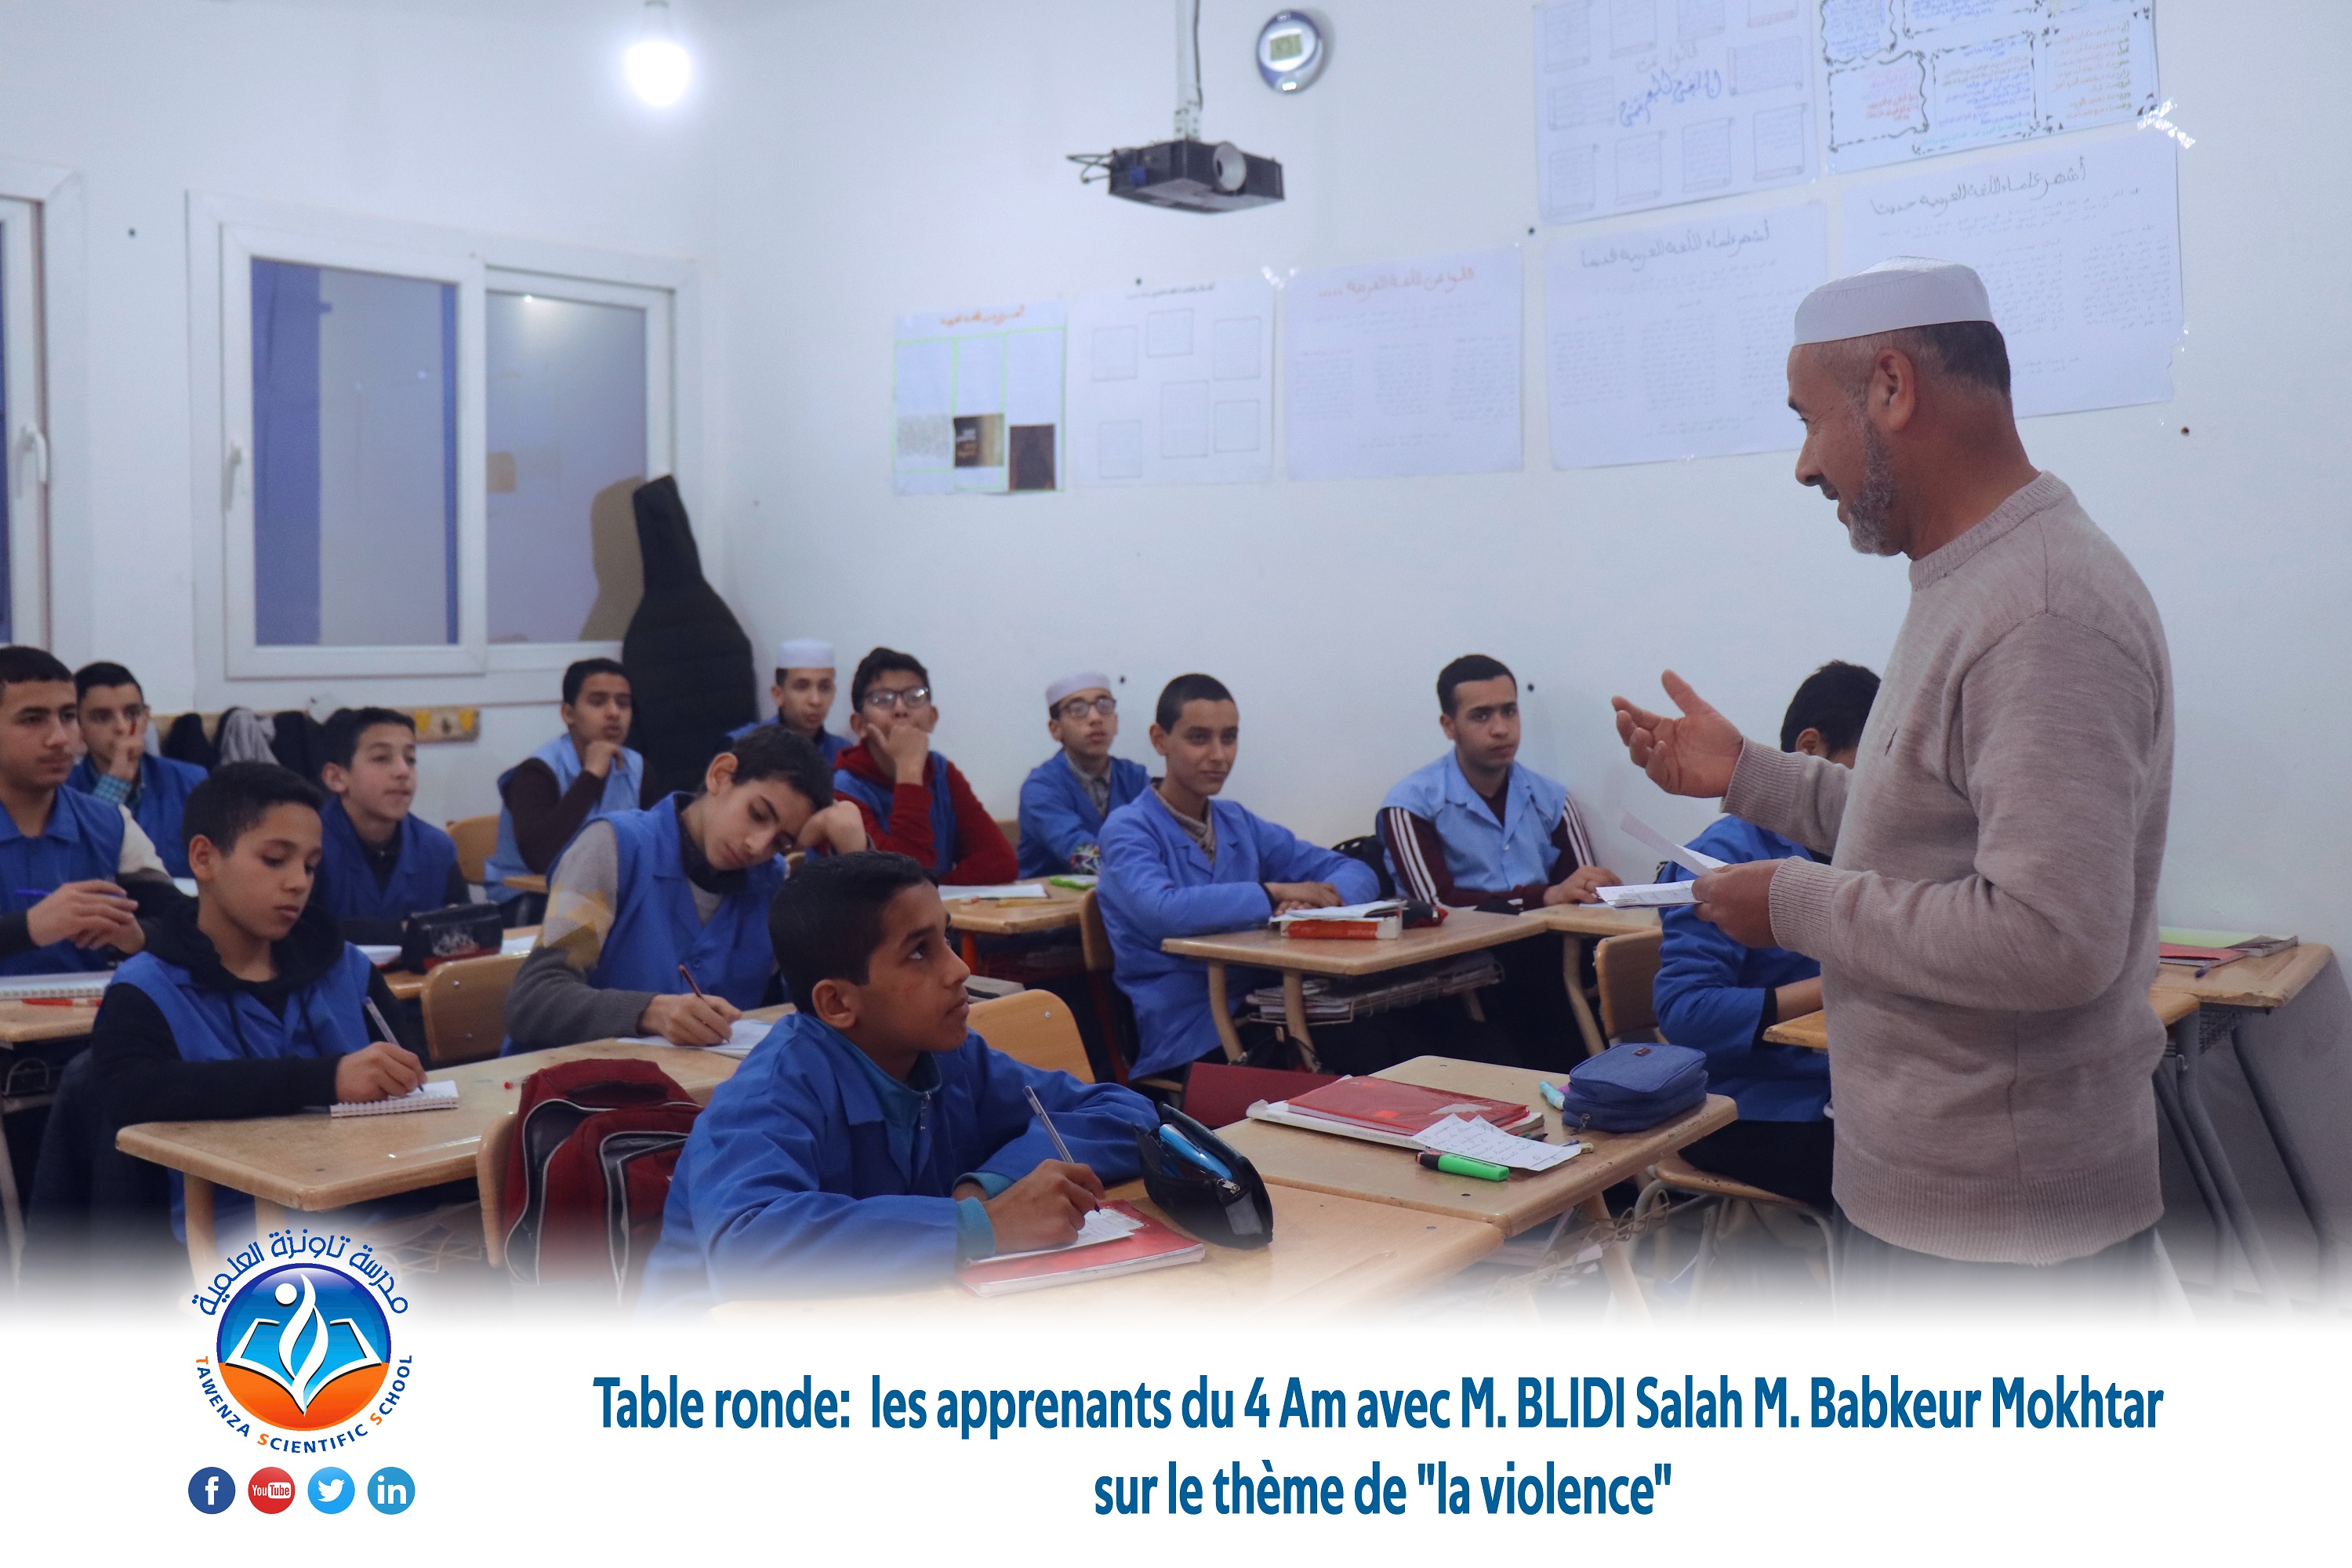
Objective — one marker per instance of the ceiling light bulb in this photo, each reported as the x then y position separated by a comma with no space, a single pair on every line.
658,64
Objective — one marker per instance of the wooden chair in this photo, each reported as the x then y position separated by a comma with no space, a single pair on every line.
1627,968
1011,827
1036,1029
478,840
490,1181
465,1008
1094,948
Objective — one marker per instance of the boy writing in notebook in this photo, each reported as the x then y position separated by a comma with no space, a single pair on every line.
378,865
1066,797
913,800
802,694
1179,861
111,711
246,1001
872,1141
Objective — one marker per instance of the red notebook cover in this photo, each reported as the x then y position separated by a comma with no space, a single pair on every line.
1406,1108
1154,1246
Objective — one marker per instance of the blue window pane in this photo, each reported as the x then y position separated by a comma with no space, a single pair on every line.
8,490
355,458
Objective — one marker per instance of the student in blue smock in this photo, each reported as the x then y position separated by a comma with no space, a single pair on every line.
1066,797
380,865
872,1141
644,899
77,874
581,775
112,710
1181,862
1720,997
802,694
247,1002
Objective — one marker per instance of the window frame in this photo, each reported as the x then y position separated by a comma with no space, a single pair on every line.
224,235
29,450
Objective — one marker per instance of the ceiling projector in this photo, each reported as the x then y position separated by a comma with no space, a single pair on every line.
1186,174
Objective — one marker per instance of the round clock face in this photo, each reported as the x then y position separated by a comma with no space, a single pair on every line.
1289,51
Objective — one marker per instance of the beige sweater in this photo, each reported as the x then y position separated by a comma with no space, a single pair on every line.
1987,928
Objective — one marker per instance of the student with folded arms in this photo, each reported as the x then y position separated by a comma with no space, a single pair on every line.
872,1139
1066,797
1720,996
683,885
802,694
379,864
1181,862
77,874
914,800
581,775
111,711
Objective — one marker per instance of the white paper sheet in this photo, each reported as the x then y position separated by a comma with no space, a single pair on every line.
1689,859
1649,103
1403,367
1101,1226
2079,244
1673,342
511,946
1008,890
439,1095
742,1036
1938,76
1647,895
1482,1139
976,399
1173,385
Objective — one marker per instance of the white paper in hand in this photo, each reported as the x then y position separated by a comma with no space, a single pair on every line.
1690,860
1102,1225
1482,1139
1648,895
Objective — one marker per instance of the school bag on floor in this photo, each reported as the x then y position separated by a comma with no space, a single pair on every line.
595,1144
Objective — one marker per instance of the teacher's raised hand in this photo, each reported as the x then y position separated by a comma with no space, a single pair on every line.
1691,756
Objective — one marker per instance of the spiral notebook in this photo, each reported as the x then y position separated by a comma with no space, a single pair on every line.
84,987
439,1096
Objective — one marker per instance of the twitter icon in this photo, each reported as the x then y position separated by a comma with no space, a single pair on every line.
330,1490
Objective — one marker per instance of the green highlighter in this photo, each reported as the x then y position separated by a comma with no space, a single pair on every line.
1462,1165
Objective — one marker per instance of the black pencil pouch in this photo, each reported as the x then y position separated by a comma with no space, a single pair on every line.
1231,1210
461,931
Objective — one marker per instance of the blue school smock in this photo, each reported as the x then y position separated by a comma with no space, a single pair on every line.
1479,851
327,1018
81,843
1060,829
1157,884
875,795
830,744
347,889
621,788
1710,994
794,1181
656,927
163,786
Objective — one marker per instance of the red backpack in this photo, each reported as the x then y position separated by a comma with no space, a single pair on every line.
594,1147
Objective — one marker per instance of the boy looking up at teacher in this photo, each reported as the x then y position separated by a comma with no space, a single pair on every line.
872,1139
802,694
378,865
1066,797
111,711
585,773
913,800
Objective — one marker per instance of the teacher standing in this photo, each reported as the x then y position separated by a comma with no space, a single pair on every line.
1987,925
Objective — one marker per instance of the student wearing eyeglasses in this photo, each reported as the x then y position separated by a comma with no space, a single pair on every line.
1066,796
914,800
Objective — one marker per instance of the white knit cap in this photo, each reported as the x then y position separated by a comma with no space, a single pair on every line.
1901,291
1072,684
804,653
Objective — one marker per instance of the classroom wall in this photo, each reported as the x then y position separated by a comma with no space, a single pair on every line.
858,194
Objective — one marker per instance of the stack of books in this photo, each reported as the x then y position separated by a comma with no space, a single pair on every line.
1331,1000
2200,953
1382,1111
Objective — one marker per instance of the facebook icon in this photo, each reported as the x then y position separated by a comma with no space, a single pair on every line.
211,1490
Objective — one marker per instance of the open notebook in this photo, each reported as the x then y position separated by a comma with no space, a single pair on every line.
746,1033
1118,1238
436,1096
84,987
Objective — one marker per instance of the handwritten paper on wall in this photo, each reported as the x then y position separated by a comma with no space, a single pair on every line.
977,395
1923,77
1173,385
2079,247
1673,342
1648,103
1403,367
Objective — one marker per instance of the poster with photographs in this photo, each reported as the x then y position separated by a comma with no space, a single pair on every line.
976,395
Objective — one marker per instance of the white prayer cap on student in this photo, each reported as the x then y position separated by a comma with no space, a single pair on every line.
804,653
1901,291
1072,684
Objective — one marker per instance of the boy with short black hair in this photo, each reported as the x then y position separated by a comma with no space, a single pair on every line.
644,899
247,1002
1720,997
1177,861
914,800
1066,797
872,1139
802,694
77,874
583,774
111,712
380,865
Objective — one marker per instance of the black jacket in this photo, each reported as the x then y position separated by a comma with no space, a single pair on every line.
689,663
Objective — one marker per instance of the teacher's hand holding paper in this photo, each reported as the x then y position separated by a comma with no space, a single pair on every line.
1691,756
1738,899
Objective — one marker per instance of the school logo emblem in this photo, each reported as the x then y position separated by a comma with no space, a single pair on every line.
303,1347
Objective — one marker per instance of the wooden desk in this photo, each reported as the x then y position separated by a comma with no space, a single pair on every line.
2263,984
1578,924
976,918
1465,931
1329,1254
527,882
26,1024
1378,1172
313,1162
406,987
1813,1028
